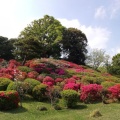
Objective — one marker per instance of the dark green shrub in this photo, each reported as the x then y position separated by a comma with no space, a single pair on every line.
70,98
8,100
32,83
92,80
99,80
88,80
57,107
25,69
107,84
4,82
39,92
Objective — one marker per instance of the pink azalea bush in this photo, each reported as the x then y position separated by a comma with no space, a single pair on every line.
91,92
72,86
48,81
114,91
57,80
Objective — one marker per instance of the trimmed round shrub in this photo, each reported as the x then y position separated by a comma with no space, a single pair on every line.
18,85
107,84
4,82
24,69
39,92
70,98
8,100
88,80
32,83
92,80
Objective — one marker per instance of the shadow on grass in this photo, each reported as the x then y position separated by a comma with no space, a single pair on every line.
17,110
79,107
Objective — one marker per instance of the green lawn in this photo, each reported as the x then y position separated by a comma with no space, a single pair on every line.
82,112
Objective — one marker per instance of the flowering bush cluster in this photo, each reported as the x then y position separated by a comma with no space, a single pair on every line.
58,75
8,100
91,92
114,91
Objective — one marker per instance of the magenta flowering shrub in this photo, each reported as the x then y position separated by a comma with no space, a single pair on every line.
91,92
60,71
48,81
72,86
8,100
114,91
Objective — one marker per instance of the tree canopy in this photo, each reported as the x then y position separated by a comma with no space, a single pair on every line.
74,45
46,37
96,57
42,38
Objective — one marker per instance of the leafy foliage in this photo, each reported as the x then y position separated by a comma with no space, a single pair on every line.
6,48
40,39
74,45
70,98
4,82
115,67
39,92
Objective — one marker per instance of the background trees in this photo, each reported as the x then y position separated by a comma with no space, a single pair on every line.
74,45
46,37
96,57
6,48
114,68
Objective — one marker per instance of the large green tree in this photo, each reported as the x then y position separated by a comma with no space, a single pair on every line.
6,48
41,38
74,45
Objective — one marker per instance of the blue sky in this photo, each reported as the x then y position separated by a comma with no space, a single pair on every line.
98,19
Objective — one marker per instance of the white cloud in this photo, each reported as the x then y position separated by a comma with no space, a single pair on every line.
97,36
100,12
115,8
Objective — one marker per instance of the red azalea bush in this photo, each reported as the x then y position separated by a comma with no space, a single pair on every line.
32,74
114,91
48,81
70,80
8,100
72,86
91,92
58,80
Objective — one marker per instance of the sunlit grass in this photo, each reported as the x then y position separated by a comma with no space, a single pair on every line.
82,112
